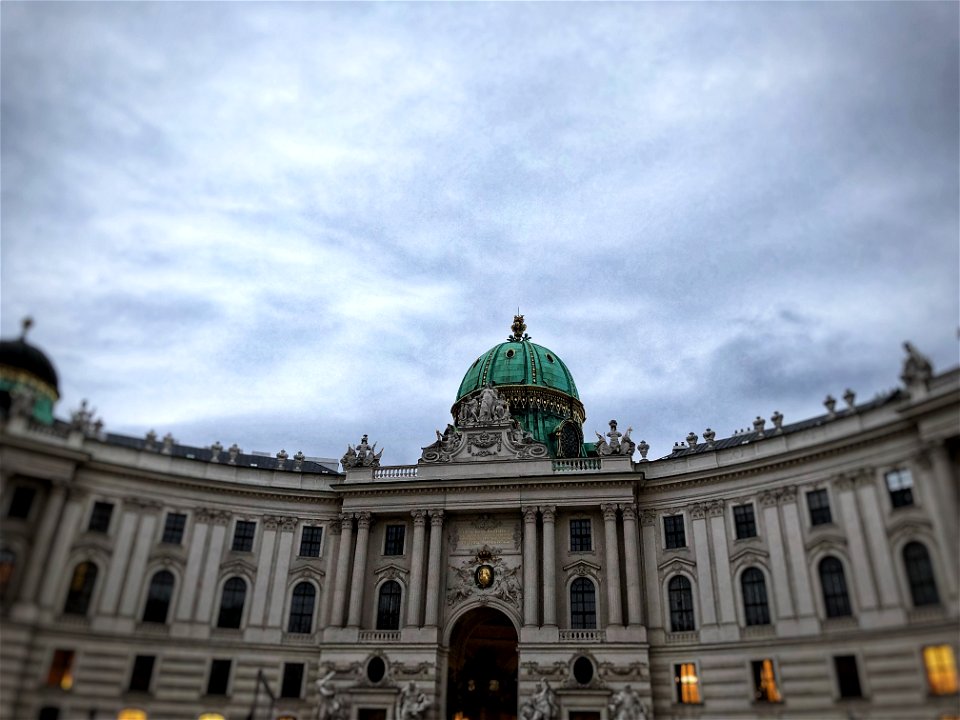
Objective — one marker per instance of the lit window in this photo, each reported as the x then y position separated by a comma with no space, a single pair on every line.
132,714
923,586
211,716
745,522
243,535
100,517
581,535
301,608
292,684
819,504
393,542
900,485
61,670
687,683
673,532
310,541
765,681
173,528
583,605
680,594
388,606
848,677
941,666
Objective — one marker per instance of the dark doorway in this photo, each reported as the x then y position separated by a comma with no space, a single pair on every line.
483,662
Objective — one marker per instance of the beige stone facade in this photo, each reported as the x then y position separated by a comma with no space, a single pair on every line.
762,578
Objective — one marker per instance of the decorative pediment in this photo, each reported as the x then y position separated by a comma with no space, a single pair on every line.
675,565
827,539
238,565
749,554
390,572
485,431
582,567
307,572
908,527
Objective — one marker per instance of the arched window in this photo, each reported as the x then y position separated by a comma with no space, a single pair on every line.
835,597
301,608
81,589
158,597
681,604
583,605
8,561
755,607
923,586
231,603
388,606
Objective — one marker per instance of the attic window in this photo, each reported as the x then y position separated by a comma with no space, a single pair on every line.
549,357
510,353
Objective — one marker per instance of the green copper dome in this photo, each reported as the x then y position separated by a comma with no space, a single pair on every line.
538,386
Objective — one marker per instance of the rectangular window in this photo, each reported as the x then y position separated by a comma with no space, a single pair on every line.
687,683
21,502
219,677
941,667
673,532
848,679
61,670
745,522
310,541
292,680
393,542
49,712
819,504
243,535
100,517
581,535
142,673
173,528
900,485
765,681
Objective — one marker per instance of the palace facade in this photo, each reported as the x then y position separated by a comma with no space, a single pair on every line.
797,570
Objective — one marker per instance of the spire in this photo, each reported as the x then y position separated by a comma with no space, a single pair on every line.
519,330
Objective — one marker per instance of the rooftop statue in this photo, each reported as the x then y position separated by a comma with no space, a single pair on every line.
917,367
620,443
363,455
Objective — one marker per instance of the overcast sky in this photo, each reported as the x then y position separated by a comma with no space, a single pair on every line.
285,225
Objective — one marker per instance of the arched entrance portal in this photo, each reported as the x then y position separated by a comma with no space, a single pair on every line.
482,667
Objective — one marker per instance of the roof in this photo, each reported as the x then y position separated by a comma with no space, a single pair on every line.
20,355
518,362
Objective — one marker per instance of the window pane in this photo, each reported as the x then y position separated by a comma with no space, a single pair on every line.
687,683
681,604
243,536
81,589
142,672
21,502
219,677
292,680
819,503
848,679
765,681
100,517
745,521
835,598
301,608
388,606
173,528
310,541
755,606
231,603
393,543
581,536
923,586
583,605
61,670
673,531
158,597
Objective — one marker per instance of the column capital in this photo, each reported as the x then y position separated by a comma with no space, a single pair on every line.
788,494
629,511
609,512
346,520
334,527
549,513
270,522
419,517
363,520
648,517
698,511
529,514
845,482
768,498
715,508
436,518
289,523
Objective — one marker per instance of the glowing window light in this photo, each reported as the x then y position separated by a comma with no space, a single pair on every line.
941,668
688,683
211,716
132,714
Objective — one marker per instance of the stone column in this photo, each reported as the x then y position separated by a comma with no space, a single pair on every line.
631,557
863,580
718,534
343,570
935,474
434,571
612,569
211,570
701,550
415,591
191,576
52,567
358,582
117,569
264,564
803,592
651,576
778,559
133,582
331,550
37,560
549,515
288,528
877,539
530,609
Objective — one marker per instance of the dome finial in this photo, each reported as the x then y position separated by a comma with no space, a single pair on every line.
519,329
25,325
